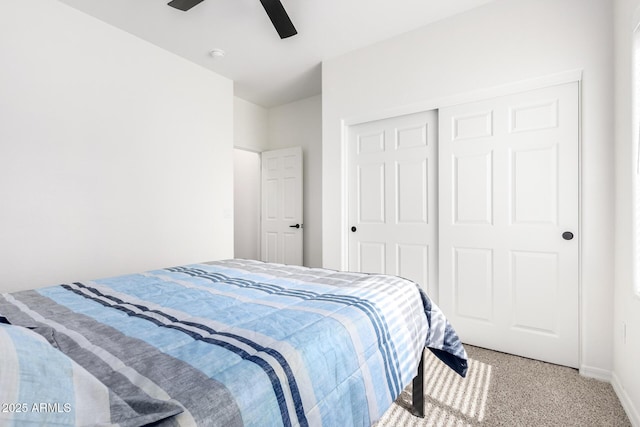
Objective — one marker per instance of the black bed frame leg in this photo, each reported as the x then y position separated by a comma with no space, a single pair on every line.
417,394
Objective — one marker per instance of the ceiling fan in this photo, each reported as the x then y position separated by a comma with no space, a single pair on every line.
274,9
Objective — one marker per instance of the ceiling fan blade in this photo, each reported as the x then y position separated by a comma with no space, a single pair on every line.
279,18
184,4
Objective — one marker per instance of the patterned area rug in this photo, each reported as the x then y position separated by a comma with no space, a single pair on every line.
506,390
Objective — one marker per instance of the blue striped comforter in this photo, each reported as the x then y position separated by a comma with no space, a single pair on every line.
242,342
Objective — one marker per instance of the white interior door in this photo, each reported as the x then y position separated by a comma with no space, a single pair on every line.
509,184
392,197
282,231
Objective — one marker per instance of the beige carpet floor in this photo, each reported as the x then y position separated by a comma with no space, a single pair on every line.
506,390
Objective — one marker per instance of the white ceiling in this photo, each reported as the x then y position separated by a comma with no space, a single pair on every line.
266,70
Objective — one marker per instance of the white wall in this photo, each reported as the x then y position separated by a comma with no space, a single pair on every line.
246,199
626,375
503,42
250,125
112,151
300,124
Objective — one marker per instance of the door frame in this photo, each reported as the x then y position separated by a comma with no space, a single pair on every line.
570,76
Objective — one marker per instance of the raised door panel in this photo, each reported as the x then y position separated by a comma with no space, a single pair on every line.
535,186
370,193
372,257
270,246
411,136
473,188
272,200
372,143
535,116
534,281
473,283
412,193
412,262
478,124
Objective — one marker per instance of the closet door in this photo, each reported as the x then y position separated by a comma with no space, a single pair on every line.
392,197
508,211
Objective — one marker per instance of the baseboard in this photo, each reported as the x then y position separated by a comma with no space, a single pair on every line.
632,412
596,373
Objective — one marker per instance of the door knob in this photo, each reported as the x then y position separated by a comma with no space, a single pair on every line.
353,229
295,226
567,235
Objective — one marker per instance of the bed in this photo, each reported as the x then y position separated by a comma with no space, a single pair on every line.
225,343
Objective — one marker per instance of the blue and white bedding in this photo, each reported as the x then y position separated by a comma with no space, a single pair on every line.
227,343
